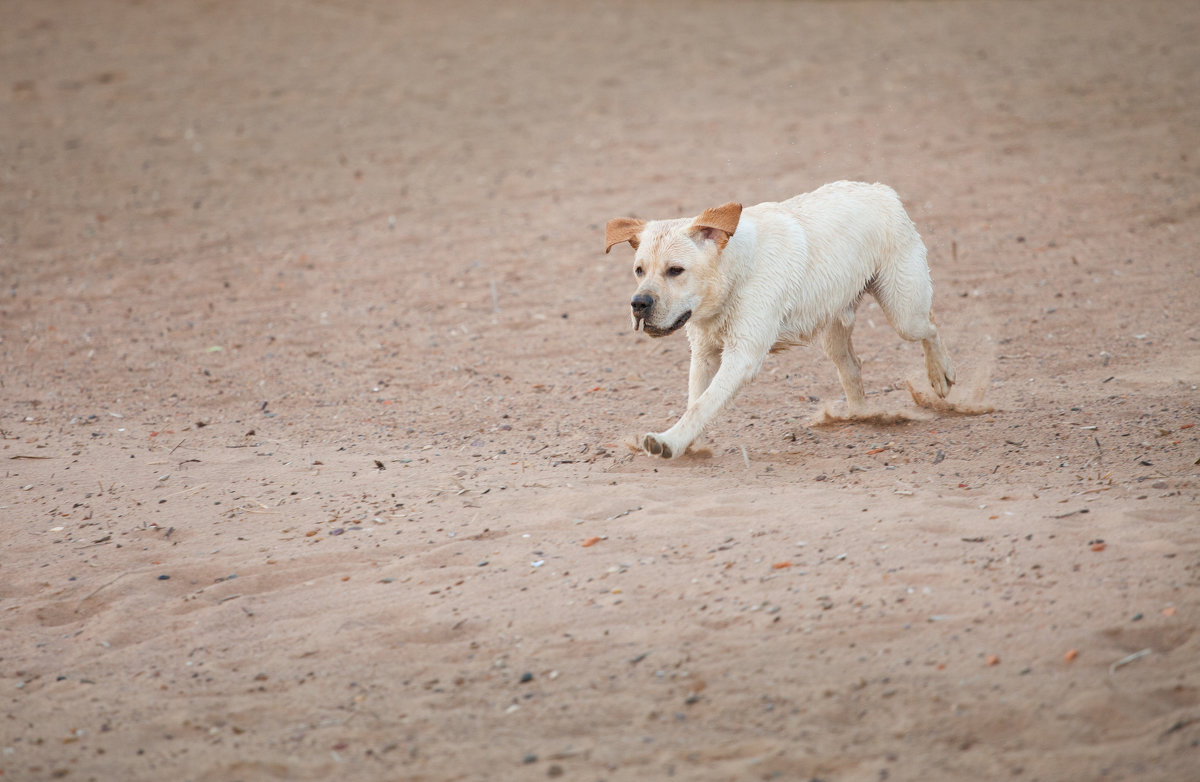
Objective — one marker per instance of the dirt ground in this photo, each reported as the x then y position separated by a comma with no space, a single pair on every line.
315,385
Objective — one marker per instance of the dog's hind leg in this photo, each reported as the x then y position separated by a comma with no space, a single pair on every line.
937,361
835,341
905,295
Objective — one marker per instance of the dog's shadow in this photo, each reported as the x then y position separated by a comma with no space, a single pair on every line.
827,418
928,407
923,399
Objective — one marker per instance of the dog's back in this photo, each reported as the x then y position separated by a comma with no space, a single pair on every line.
829,247
845,220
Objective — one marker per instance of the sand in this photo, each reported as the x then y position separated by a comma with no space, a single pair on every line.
316,384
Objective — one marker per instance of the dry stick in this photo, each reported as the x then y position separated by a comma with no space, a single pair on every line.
192,490
100,542
1127,660
1180,725
102,586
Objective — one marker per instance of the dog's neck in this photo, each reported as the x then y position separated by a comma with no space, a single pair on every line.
732,267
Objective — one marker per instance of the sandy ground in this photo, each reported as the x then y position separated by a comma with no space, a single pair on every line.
315,383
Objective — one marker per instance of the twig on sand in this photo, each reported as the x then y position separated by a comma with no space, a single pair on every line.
1127,660
93,593
192,490
458,490
1179,725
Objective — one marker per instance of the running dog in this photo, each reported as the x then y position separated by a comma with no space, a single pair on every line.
753,281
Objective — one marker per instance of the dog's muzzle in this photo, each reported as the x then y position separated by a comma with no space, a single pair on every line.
640,323
639,309
641,304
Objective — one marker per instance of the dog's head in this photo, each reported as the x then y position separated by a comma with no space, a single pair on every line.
675,263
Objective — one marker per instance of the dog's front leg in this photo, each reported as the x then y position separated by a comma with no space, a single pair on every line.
706,360
736,367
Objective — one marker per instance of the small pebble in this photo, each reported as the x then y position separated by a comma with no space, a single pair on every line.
164,577
526,677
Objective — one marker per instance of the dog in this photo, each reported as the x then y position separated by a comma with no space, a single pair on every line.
748,282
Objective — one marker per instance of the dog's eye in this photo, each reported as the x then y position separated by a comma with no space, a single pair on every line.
638,271
674,271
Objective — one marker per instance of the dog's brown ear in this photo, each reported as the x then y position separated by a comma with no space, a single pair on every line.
622,229
717,223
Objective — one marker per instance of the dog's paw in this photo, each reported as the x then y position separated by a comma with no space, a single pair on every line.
941,382
657,446
941,375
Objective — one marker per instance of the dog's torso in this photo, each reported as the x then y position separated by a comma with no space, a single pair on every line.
794,265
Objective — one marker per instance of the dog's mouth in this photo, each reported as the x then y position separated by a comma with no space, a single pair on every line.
657,331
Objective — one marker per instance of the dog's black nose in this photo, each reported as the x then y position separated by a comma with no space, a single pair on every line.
641,304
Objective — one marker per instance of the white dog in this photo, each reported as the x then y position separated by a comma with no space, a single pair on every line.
748,282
